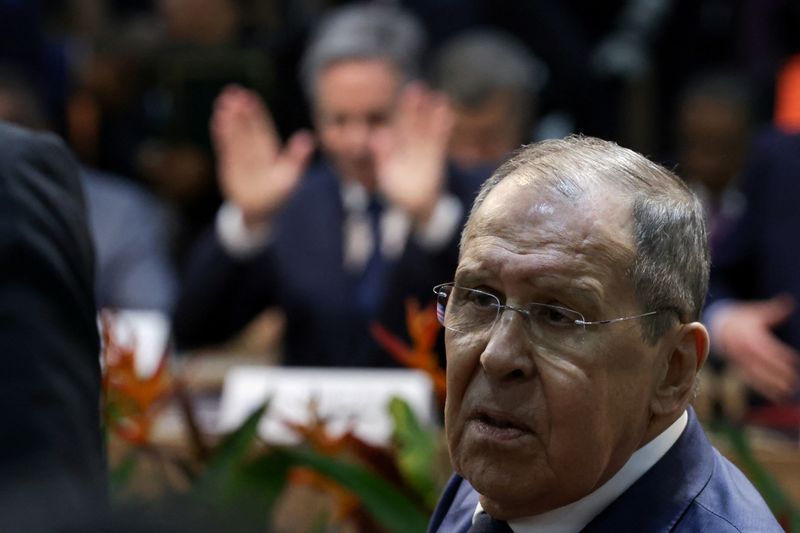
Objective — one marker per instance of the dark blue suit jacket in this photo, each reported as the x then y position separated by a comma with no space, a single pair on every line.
52,468
760,257
303,273
692,488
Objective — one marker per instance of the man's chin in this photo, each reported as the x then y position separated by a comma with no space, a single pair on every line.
510,486
363,174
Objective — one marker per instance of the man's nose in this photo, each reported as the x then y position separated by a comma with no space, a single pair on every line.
509,351
357,137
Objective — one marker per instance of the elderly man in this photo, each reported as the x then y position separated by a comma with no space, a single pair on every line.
573,350
323,240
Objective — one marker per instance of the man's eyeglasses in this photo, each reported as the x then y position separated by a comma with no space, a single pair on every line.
474,312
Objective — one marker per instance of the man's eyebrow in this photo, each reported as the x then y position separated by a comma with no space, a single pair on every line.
584,287
471,274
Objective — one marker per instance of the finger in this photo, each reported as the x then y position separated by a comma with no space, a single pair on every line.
776,310
257,118
441,116
767,383
228,93
411,108
222,124
767,351
772,369
776,388
290,163
299,149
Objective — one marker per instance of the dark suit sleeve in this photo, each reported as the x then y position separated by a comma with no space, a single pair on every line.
51,461
220,294
733,267
419,268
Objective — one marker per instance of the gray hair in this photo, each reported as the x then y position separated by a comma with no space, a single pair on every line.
477,64
364,31
670,266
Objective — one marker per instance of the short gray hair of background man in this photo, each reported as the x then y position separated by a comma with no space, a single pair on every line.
364,31
487,73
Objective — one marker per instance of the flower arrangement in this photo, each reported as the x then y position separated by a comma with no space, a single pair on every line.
240,480
368,488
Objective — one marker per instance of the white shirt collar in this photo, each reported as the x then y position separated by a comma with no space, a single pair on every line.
573,517
354,196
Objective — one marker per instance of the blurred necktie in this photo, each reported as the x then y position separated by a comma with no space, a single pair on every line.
371,284
486,524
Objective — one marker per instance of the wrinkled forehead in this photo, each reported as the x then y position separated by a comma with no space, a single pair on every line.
531,211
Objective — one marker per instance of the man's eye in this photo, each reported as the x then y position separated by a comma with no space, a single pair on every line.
480,299
377,119
554,316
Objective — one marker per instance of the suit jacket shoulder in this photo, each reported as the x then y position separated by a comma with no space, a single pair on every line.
453,513
50,444
692,488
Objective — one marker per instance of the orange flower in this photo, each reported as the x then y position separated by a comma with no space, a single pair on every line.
347,506
423,328
131,402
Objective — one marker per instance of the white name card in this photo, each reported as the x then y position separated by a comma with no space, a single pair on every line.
352,398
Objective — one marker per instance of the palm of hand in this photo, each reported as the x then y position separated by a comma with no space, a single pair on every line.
746,338
255,172
411,155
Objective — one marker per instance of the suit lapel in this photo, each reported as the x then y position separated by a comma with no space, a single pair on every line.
453,513
658,500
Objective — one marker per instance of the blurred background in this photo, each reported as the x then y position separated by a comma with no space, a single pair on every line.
710,88
130,83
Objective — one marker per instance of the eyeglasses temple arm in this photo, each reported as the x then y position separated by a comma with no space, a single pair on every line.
612,320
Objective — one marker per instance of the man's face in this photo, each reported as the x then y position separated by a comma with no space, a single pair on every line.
712,141
354,101
483,135
534,425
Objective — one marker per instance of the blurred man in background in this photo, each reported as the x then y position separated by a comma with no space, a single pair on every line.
130,229
492,83
714,130
327,240
755,285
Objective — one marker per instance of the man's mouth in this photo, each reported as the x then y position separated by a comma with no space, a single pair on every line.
499,426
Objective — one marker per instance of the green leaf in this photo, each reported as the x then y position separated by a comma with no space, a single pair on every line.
415,451
265,476
228,456
388,506
121,475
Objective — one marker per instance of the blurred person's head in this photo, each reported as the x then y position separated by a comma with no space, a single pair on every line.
353,70
202,21
18,101
492,81
714,126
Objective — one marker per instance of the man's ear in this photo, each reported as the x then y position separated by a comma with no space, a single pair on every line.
685,358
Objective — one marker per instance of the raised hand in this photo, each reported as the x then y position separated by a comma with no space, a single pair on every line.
255,171
744,336
410,156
